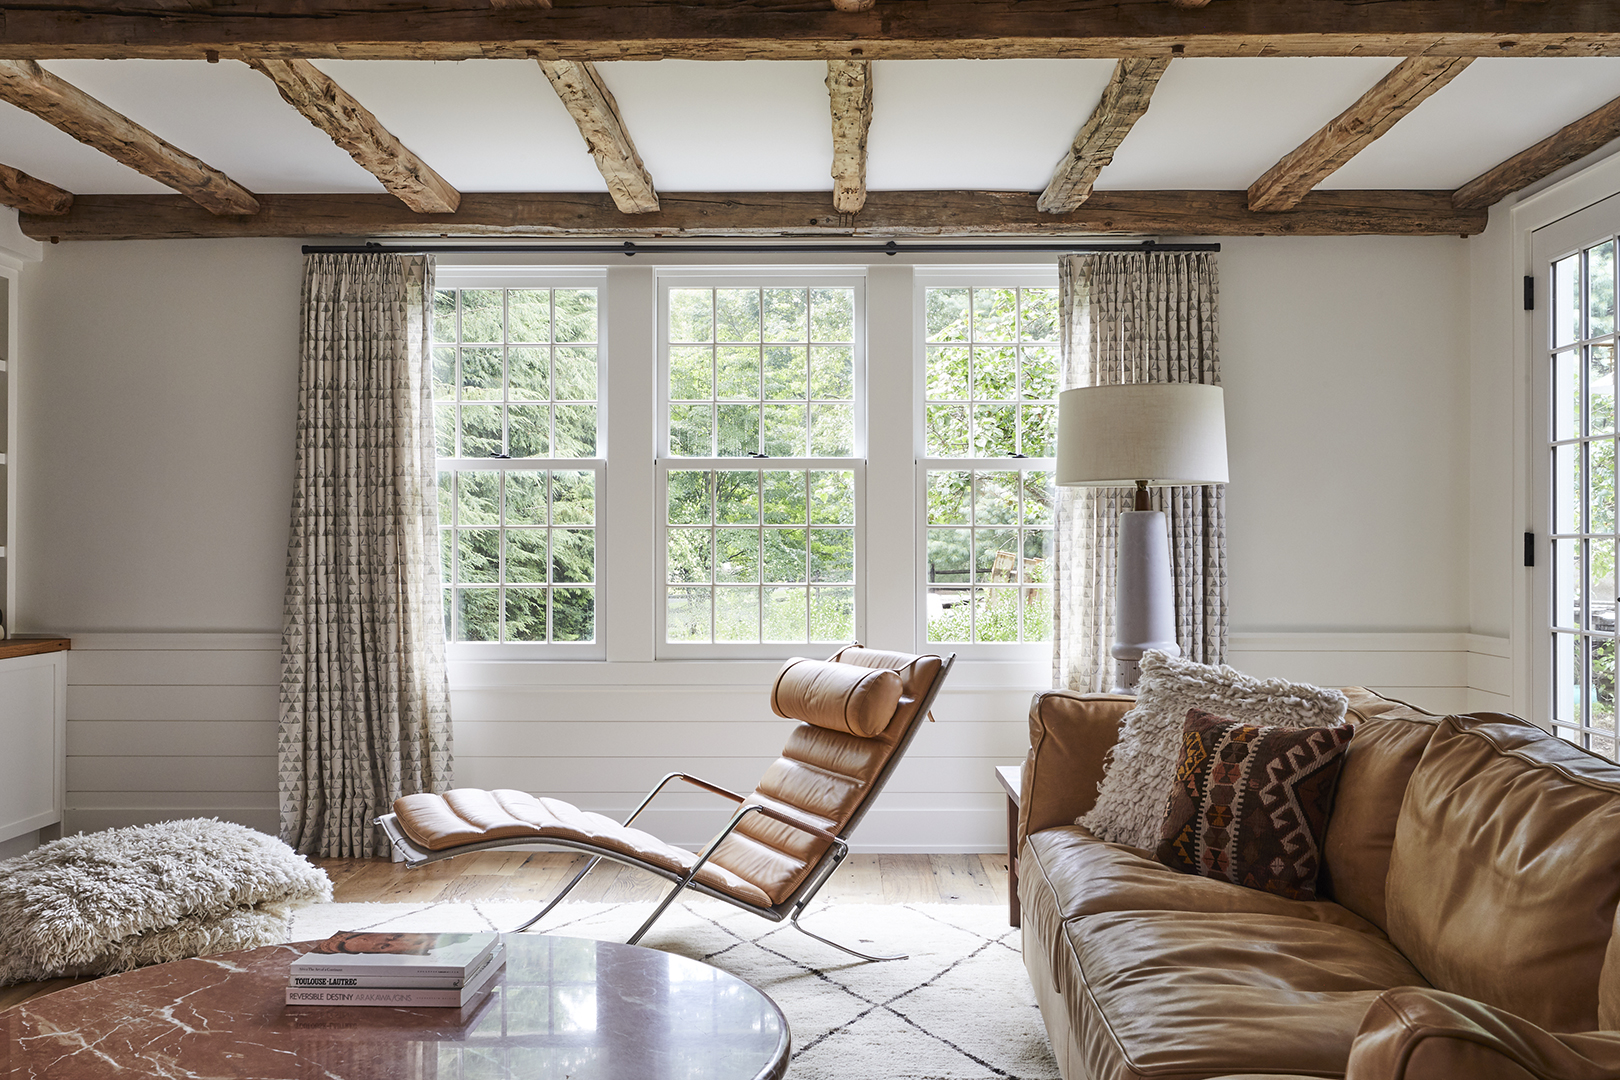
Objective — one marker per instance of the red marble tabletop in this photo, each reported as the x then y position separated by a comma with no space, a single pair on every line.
563,1008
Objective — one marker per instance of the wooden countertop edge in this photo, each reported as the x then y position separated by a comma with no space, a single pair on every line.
31,646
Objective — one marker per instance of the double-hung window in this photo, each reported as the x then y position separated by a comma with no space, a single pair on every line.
761,463
517,377
988,421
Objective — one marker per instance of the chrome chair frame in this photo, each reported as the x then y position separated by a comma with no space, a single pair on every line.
789,909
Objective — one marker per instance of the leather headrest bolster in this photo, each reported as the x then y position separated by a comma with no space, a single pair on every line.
840,697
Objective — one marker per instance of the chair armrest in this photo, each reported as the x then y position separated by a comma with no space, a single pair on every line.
1069,736
790,820
1414,1033
706,786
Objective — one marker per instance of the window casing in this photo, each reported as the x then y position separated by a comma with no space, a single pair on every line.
761,469
518,371
986,420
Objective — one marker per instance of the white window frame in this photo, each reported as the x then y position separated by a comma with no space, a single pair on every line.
1571,235
533,277
709,277
923,279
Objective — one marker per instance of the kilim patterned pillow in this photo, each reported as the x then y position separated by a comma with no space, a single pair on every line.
1250,804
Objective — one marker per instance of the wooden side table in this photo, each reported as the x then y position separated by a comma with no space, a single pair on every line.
1012,782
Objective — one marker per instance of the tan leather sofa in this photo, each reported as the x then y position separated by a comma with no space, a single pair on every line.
1467,930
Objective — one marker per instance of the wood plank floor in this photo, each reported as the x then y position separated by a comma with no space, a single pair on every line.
517,875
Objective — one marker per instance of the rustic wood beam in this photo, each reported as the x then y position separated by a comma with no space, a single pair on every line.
887,213
772,30
32,195
591,104
1125,99
849,88
29,86
1569,143
1346,135
353,127
520,3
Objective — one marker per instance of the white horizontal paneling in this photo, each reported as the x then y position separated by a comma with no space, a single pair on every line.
228,704
199,773
180,731
130,667
170,738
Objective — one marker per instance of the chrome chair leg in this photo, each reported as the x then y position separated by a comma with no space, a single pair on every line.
555,900
794,919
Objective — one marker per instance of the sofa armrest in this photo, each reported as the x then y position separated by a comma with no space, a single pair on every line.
1069,736
1414,1033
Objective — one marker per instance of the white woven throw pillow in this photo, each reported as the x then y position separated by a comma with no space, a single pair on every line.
1142,765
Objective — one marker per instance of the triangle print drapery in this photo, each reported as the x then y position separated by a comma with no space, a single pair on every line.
365,714
1134,317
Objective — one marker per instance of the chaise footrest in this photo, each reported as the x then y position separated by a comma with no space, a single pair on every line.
465,816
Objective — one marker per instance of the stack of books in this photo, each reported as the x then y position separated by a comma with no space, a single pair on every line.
402,970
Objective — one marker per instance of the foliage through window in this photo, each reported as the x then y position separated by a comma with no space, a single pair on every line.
515,409
755,554
1584,532
990,410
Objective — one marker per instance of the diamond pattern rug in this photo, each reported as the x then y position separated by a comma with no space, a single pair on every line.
959,1008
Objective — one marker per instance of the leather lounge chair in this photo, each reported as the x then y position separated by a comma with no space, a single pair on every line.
857,713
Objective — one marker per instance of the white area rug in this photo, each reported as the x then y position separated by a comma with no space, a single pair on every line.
960,1008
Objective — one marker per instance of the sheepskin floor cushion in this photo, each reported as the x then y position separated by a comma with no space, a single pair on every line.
99,903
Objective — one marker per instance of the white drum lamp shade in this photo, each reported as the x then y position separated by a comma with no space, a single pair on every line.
1141,435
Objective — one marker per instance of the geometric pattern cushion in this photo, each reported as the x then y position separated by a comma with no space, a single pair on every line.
1250,804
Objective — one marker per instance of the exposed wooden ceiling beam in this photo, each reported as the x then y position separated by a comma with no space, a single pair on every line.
32,195
352,126
29,86
591,104
1346,135
849,89
1124,100
770,29
887,213
1570,143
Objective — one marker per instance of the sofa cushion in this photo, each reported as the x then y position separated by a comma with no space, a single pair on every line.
1390,737
1503,881
1066,873
1182,994
1250,804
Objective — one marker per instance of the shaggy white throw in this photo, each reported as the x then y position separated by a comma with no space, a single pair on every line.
98,903
1142,765
960,1006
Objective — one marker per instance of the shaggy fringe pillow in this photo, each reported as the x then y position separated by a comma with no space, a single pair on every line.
99,903
1142,765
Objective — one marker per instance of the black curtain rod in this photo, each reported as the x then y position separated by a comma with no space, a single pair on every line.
628,248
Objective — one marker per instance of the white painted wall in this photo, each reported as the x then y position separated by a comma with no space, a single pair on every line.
154,491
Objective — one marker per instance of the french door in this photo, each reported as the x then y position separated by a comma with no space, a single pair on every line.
1574,434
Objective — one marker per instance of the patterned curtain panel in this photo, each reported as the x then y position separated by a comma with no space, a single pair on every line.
365,712
1132,317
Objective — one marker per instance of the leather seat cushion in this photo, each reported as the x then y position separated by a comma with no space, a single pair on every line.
472,815
1067,873
1171,994
1087,876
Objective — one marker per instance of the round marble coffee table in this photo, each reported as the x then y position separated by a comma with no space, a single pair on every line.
563,1008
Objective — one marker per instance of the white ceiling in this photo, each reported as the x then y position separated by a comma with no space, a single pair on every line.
495,125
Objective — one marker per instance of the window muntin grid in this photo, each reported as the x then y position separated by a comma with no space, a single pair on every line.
987,570
760,371
518,549
760,556
989,387
515,372
1583,543
516,389
991,363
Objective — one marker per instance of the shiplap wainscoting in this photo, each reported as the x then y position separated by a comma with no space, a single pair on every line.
178,725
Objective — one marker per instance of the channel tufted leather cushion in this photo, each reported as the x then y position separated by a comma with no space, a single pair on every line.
823,778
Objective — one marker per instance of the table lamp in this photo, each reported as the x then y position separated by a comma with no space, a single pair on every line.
1142,434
